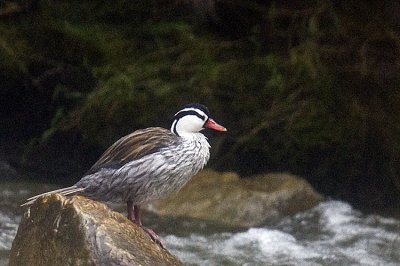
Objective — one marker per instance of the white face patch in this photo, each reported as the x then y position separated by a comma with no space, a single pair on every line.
189,123
188,120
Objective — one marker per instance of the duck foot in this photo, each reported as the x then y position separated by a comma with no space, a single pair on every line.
134,216
153,236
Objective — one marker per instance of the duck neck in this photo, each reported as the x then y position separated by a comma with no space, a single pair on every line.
193,136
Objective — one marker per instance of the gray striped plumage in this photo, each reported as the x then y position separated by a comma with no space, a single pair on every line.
148,164
145,176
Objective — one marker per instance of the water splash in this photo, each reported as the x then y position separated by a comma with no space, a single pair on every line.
333,233
8,229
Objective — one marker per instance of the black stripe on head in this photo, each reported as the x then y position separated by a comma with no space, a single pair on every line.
197,106
181,114
190,109
188,112
174,127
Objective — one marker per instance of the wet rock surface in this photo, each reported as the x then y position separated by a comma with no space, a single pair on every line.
77,231
225,198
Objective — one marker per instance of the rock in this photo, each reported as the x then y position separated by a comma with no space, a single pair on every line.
77,231
239,202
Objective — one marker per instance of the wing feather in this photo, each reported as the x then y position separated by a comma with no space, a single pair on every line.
134,146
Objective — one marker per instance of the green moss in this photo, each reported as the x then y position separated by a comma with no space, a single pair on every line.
311,89
12,64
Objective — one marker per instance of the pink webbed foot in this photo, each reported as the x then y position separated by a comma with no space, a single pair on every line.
153,236
134,216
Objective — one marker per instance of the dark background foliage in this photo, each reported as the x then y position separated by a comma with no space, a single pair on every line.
309,87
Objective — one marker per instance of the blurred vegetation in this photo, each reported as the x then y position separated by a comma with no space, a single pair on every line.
309,87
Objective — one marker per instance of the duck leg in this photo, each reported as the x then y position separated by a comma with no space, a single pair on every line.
134,216
131,212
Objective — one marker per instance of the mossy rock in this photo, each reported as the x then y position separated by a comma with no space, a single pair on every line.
226,199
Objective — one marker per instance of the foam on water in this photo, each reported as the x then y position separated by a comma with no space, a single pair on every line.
9,220
365,240
8,230
331,234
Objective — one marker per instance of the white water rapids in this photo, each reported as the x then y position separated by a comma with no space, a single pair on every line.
332,233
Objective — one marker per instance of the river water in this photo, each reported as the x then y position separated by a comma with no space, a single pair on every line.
332,233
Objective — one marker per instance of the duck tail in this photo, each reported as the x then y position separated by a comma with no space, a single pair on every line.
64,191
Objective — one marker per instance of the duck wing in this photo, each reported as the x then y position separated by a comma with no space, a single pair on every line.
134,146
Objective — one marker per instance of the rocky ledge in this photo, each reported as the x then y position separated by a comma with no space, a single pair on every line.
227,199
57,230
